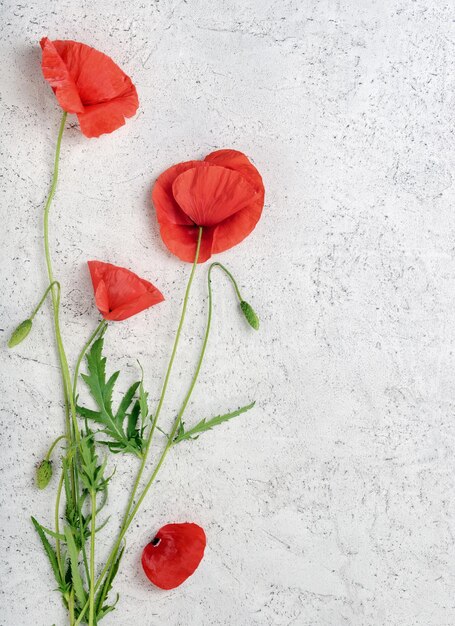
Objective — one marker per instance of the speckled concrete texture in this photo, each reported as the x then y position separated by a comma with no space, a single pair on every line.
331,503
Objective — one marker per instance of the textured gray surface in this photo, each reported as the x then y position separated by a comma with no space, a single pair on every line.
332,502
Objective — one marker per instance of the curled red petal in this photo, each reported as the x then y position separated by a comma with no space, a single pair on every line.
119,293
89,83
98,119
174,554
237,227
235,160
58,76
167,208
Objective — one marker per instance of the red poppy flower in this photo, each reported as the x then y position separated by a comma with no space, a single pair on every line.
223,193
174,554
119,293
88,83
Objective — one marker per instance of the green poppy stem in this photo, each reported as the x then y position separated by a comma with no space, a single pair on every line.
49,452
55,283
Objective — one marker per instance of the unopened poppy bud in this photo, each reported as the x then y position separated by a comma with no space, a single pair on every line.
20,333
43,474
250,315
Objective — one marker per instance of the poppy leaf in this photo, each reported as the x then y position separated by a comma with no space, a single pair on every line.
131,429
51,555
143,403
107,586
126,402
121,426
74,562
92,473
203,425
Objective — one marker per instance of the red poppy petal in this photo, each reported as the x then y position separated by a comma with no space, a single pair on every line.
89,83
182,241
234,230
167,209
102,298
143,302
97,77
235,160
96,269
119,293
98,119
124,287
174,554
209,195
58,76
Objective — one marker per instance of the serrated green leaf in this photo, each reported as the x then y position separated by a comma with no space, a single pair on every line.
51,555
113,423
133,417
205,424
126,402
90,414
74,563
109,388
180,430
107,609
143,402
107,586
53,534
92,472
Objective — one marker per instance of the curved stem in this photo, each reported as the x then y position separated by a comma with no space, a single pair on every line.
229,275
55,283
49,452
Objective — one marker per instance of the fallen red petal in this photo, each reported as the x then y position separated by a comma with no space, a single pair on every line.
174,554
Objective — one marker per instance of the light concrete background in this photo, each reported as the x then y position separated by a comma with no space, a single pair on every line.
332,502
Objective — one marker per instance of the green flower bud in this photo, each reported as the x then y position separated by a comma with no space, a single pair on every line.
20,333
43,474
250,315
